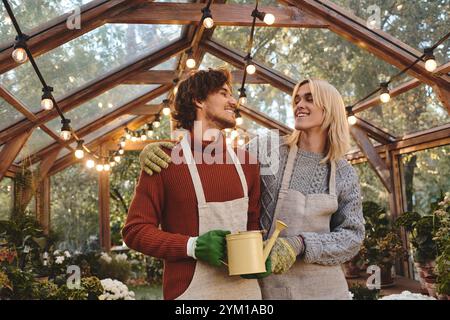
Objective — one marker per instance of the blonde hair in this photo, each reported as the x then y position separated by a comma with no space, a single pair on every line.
327,98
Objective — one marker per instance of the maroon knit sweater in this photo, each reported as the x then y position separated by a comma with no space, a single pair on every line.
168,200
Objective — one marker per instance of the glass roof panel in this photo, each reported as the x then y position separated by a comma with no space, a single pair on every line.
101,105
87,58
38,140
8,115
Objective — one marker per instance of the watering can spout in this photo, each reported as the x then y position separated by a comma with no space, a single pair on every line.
280,225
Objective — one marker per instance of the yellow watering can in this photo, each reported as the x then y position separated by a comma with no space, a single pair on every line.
246,252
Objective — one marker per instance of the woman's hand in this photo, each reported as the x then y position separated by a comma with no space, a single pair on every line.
284,253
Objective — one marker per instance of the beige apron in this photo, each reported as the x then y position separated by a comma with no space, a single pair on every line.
305,213
211,282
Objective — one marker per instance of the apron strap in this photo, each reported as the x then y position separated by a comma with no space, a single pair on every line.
332,186
239,170
193,171
289,167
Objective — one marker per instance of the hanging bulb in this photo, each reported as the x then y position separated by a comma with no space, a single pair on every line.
149,133
143,136
251,69
190,62
175,86
241,142
239,119
65,133
122,142
166,109
112,164
242,96
99,167
208,21
19,53
350,115
106,167
269,19
133,139
79,152
156,122
117,158
351,120
47,101
384,94
90,163
127,134
430,61
121,151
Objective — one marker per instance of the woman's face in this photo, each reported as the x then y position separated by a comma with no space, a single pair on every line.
307,115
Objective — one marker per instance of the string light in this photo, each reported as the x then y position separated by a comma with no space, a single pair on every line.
166,110
250,67
65,130
79,152
268,18
239,119
156,122
90,164
351,116
242,96
127,134
143,136
430,61
207,19
190,62
47,99
384,93
133,139
117,158
175,86
122,142
99,167
106,167
19,53
121,151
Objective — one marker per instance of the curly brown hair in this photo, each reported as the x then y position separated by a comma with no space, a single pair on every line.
197,86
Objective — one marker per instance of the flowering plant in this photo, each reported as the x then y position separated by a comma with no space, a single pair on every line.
115,290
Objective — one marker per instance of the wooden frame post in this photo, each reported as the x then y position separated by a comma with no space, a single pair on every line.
103,205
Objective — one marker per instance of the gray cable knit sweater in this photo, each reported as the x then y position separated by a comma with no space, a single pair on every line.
311,177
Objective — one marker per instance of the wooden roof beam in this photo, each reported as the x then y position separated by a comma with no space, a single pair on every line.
11,150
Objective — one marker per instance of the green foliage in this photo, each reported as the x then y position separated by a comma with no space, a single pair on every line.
361,292
115,266
155,268
93,286
442,238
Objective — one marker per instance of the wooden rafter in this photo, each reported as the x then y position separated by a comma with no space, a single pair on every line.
56,33
11,150
377,164
224,15
167,76
375,132
377,42
97,87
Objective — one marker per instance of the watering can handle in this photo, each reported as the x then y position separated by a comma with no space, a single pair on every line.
280,225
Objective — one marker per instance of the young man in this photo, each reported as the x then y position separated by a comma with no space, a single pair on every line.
197,204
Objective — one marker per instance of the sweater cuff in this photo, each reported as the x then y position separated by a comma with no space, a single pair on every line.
191,245
313,247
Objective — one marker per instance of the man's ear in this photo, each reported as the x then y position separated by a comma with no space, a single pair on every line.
198,104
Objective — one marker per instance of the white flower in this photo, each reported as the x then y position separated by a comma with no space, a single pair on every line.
59,260
67,254
351,295
407,295
115,290
121,257
105,257
102,297
56,253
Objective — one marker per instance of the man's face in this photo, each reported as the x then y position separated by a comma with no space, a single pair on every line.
218,108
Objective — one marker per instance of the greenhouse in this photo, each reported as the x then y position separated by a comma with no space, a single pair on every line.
93,91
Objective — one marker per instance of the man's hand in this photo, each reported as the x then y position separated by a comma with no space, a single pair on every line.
153,158
211,246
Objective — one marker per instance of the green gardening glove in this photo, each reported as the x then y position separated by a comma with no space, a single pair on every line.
211,246
262,274
153,158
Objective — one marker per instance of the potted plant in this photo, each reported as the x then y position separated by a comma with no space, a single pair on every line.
382,245
442,238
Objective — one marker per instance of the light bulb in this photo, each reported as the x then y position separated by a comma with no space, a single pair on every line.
175,90
239,121
133,139
156,124
190,63
47,104
99,167
430,65
166,111
269,19
90,163
234,134
143,137
251,69
242,100
122,143
117,159
19,55
121,151
112,164
241,142
65,135
228,140
351,120
385,97
208,23
149,133
79,154
128,136
106,167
